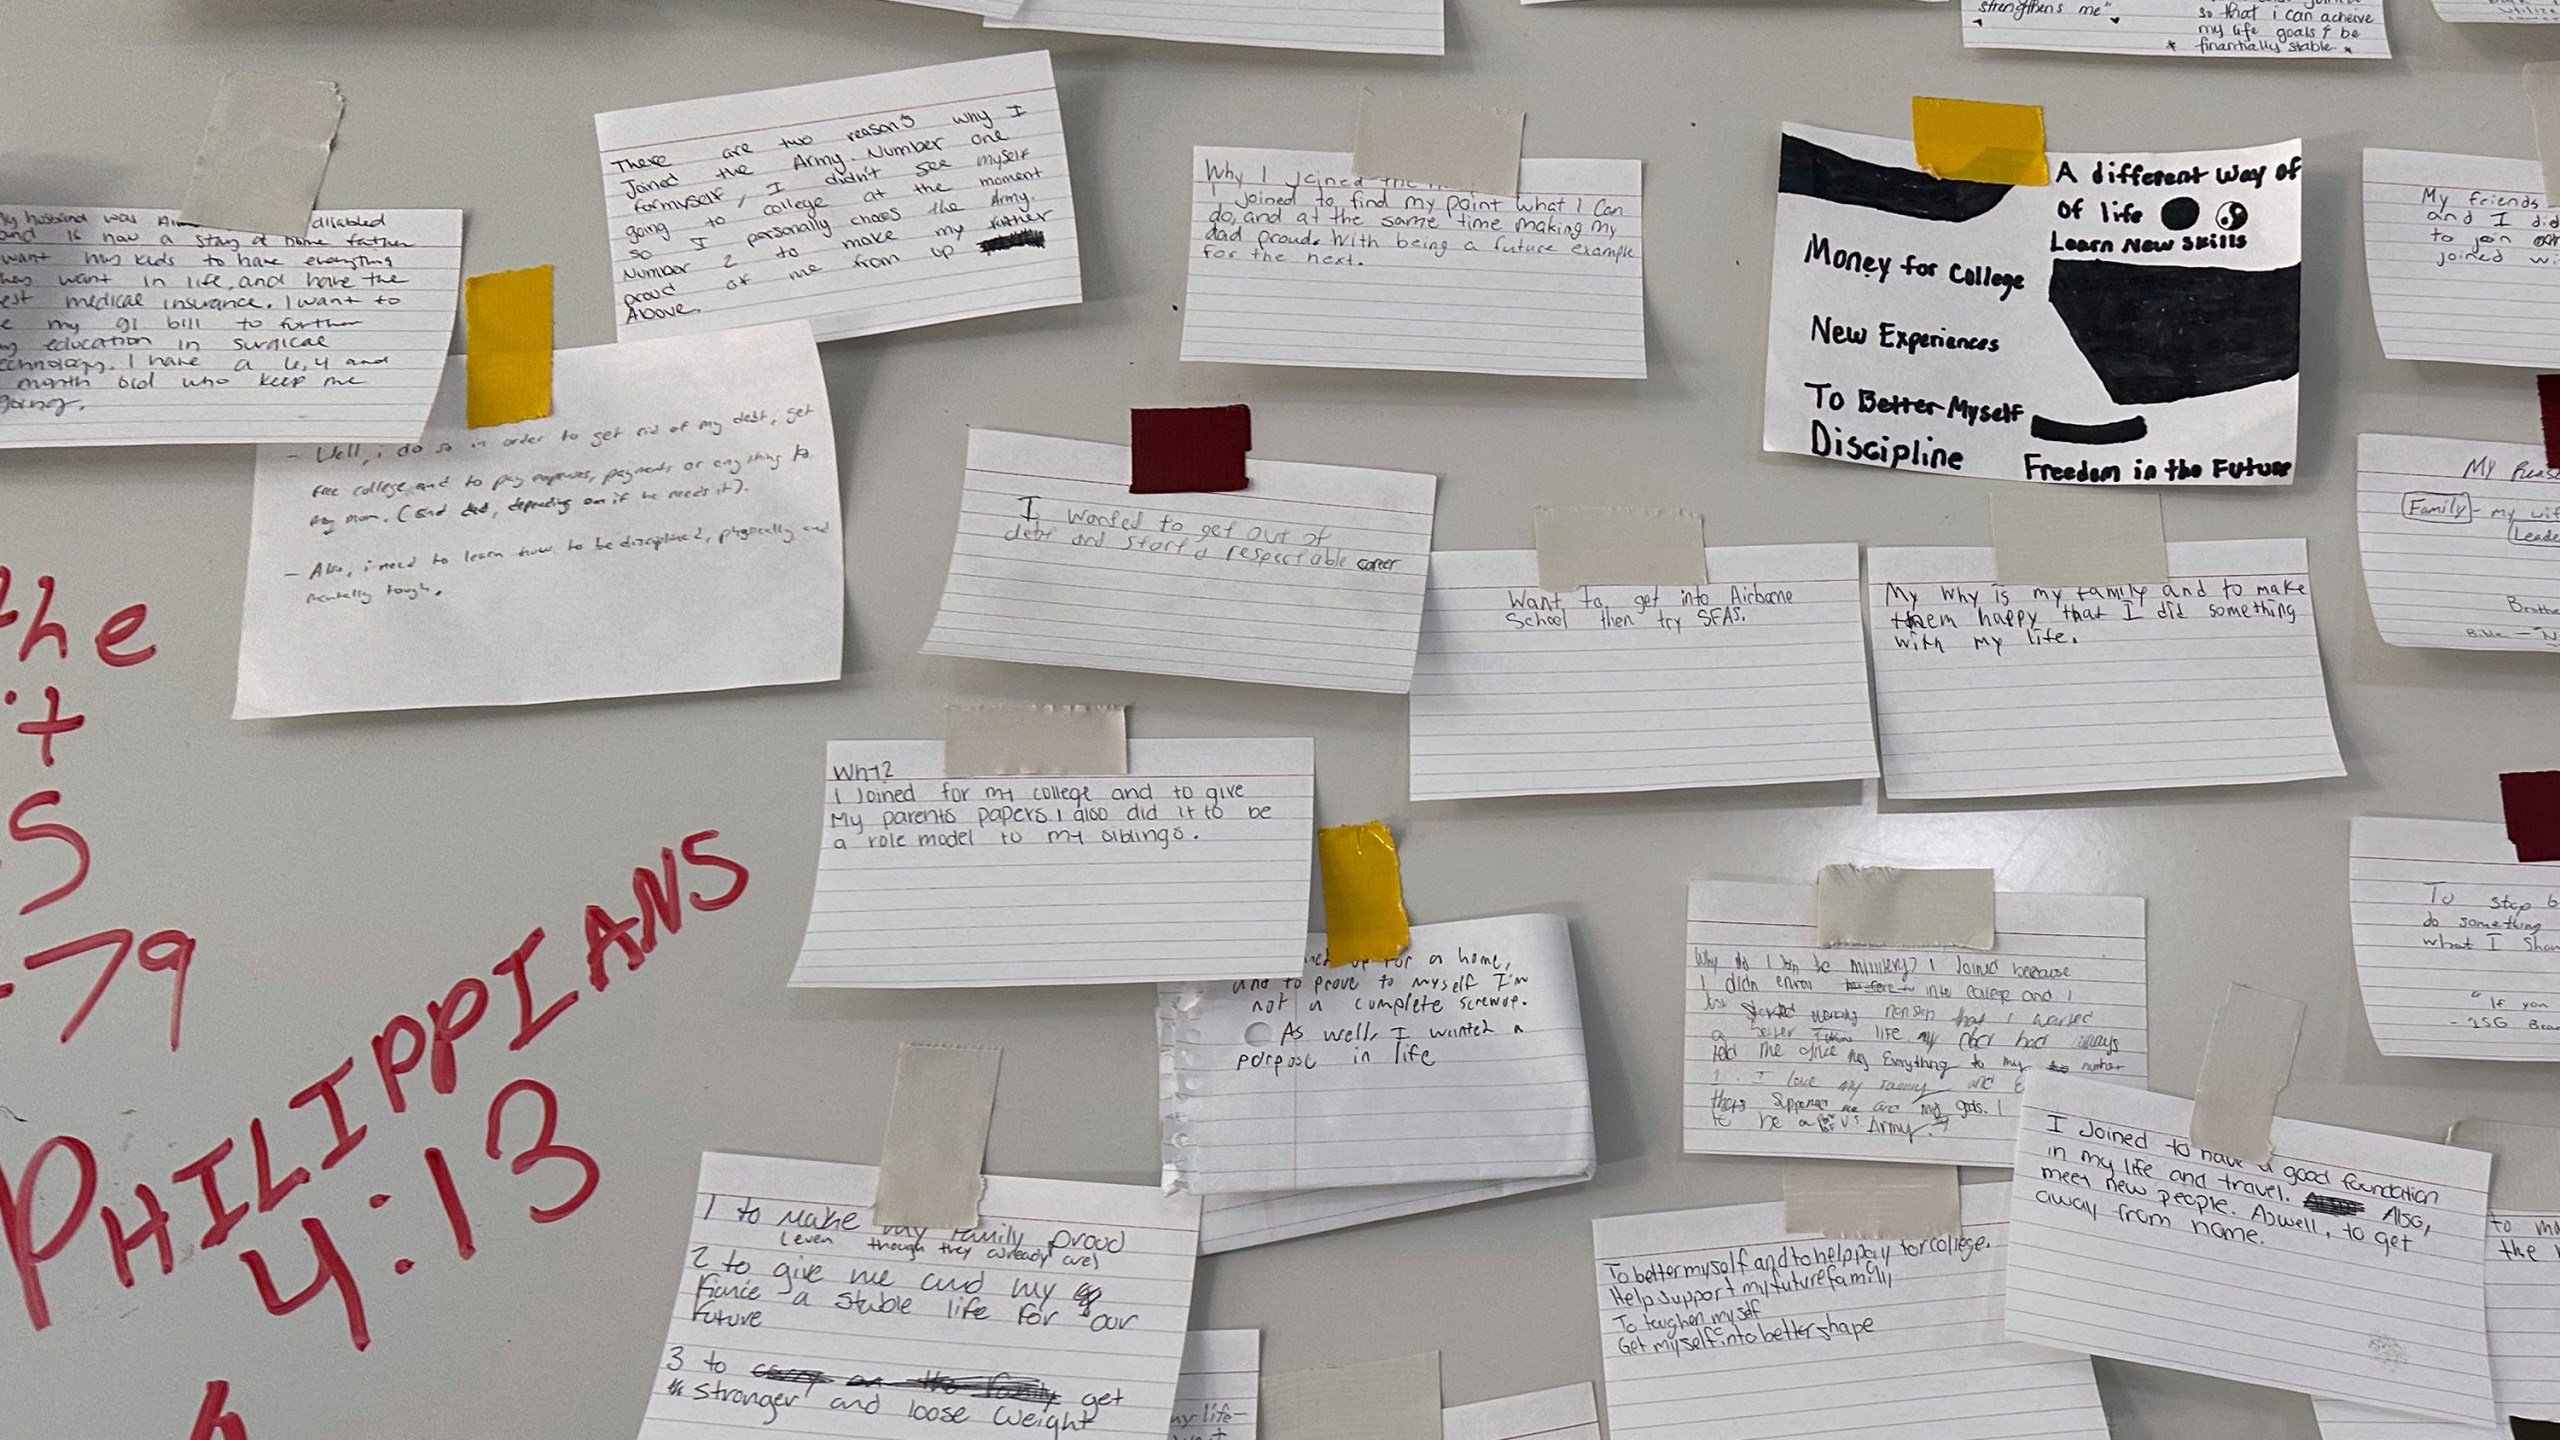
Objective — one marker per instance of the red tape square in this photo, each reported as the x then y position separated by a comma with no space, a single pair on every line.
1189,451
2533,812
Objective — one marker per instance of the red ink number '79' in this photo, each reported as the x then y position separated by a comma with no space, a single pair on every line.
169,950
542,1148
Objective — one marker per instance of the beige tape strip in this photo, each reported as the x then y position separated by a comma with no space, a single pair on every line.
2067,535
1886,905
1871,1200
2247,1059
1618,547
264,154
932,1162
1456,147
2526,1174
2542,95
1035,740
1395,1399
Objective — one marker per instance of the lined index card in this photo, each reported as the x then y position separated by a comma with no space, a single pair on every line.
1718,1324
1240,1222
2348,1266
1758,677
2180,28
2523,1296
795,1312
861,206
1989,689
1567,1412
1386,27
1311,576
2457,943
1221,1382
1295,260
2454,256
1193,866
2461,542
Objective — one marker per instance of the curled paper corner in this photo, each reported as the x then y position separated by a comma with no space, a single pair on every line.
1891,905
1872,1200
932,1161
2248,1057
1606,546
1364,916
1454,147
506,347
1980,140
1034,740
2065,535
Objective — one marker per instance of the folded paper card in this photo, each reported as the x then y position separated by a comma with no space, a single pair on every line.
2450,258
1757,677
1988,689
1192,866
1312,576
2136,321
2451,947
2349,31
674,527
2349,1266
861,206
160,333
1462,1061
1217,1396
1380,27
1297,261
1719,1324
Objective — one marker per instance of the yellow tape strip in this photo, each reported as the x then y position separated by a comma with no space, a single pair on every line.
507,347
1363,894
1979,140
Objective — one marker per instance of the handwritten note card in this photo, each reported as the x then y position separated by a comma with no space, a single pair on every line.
2523,1294
1989,689
2461,542
671,527
861,206
1718,1324
1193,866
1295,261
2457,944
2522,12
1898,1054
2262,29
1568,1412
1386,27
2136,321
2349,1266
124,327
1064,1310
1461,1060
2459,252
1216,1398
1239,1222
1312,575
1758,677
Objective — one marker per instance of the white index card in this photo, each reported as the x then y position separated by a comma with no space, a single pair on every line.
1567,1412
2459,259
1898,1053
2457,941
1718,1324
1312,575
1193,866
1460,1060
2517,12
1379,27
861,206
1295,260
1989,689
1064,1310
2461,542
125,327
2523,1297
1221,1383
1757,677
2352,31
1240,1222
2348,1266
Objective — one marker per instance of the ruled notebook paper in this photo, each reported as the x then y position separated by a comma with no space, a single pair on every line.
2457,943
1460,1060
1717,1324
1758,677
861,206
2523,1303
1311,576
1240,1222
2526,12
1567,1412
795,1314
2461,542
1876,1053
2451,258
2177,27
1193,866
1390,27
1989,689
2349,1268
125,327
1221,1385
1295,261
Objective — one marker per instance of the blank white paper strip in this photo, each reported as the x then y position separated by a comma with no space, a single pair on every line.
1758,677
2457,255
1990,689
2457,948
1312,575
2180,28
2524,1342
2461,542
1567,1412
1240,1222
2348,1266
1873,1053
1296,261
1718,1324
1220,1390
1385,27
861,206
1193,866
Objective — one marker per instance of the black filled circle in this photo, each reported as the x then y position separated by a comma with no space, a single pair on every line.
2181,213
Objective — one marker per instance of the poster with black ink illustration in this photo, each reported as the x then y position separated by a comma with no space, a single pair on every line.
2138,321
